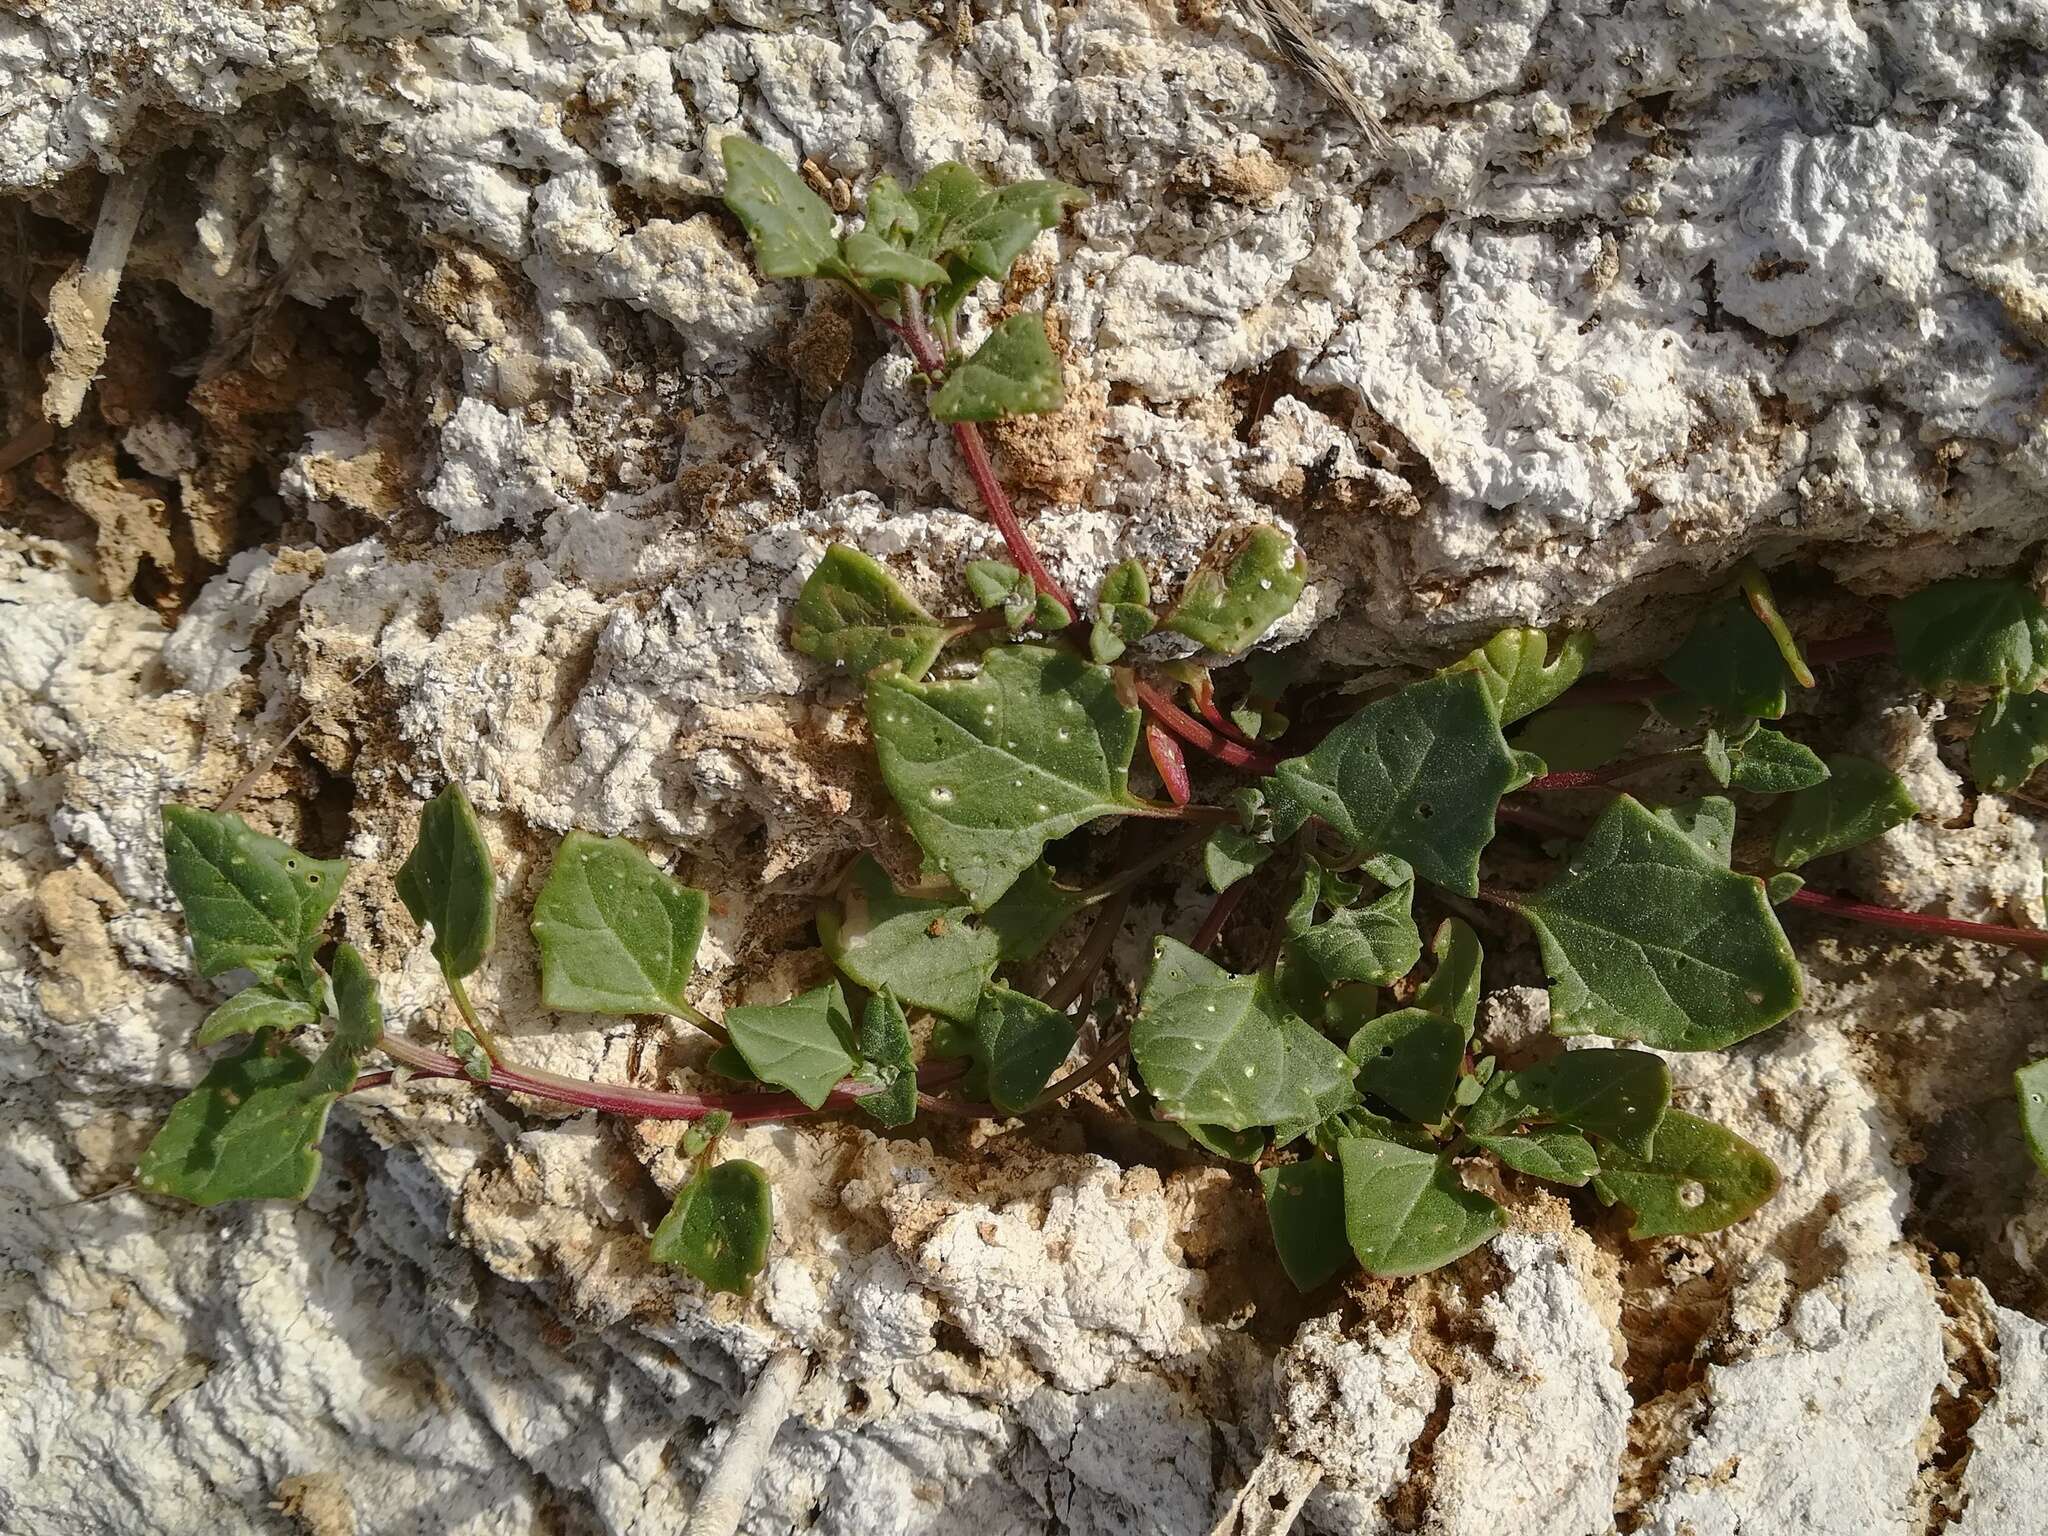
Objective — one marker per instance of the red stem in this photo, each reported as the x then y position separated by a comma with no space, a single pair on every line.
995,501
641,1103
1595,778
1219,914
1627,690
1196,734
1171,762
2030,940
1534,821
1205,706
1094,951
1098,1064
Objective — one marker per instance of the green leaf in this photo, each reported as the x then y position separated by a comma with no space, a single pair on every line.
2030,1083
718,1227
2011,740
1245,584
885,1053
1562,1157
1709,821
1577,738
1409,1060
1783,886
447,883
922,948
616,935
1012,373
1452,990
1731,663
1305,1204
789,225
1518,674
467,1049
1697,1177
1765,606
251,1010
1232,853
993,232
1647,937
878,264
1715,753
804,1045
1418,774
1858,801
1122,611
1976,632
1221,1049
995,583
1016,1044
1030,913
1377,943
1406,1210
251,902
699,1134
251,1129
1618,1095
1237,1146
854,615
890,214
1770,763
989,769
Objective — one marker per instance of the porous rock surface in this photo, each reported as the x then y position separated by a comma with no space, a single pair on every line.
441,409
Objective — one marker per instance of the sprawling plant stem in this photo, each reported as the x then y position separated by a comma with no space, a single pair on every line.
1197,733
623,1098
1094,952
930,358
1219,915
2032,941
1107,1055
1599,778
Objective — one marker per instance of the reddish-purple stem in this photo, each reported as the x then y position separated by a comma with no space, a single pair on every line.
1196,734
1534,821
995,501
1206,707
640,1103
1094,1067
1595,778
1093,953
2031,940
1171,762
1219,914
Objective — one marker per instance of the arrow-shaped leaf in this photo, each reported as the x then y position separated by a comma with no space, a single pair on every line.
719,1225
804,1045
1697,1177
447,882
616,935
925,949
251,902
1406,1210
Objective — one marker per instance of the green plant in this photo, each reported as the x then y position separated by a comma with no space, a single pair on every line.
1342,1063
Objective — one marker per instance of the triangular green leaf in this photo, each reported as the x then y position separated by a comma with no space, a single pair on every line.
1305,1204
995,584
804,1045
1012,373
250,1010
447,882
1578,738
1122,611
1858,801
1618,1095
1406,1210
1697,1177
789,224
1377,943
1031,911
992,233
1232,853
1452,990
885,1052
1016,1044
1647,937
1562,1157
877,263
1245,584
1223,1050
1783,886
890,214
2030,1083
616,935
1409,1060
853,614
1977,632
2011,740
1731,662
1519,675
989,769
251,902
1418,774
1770,763
719,1226
922,948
